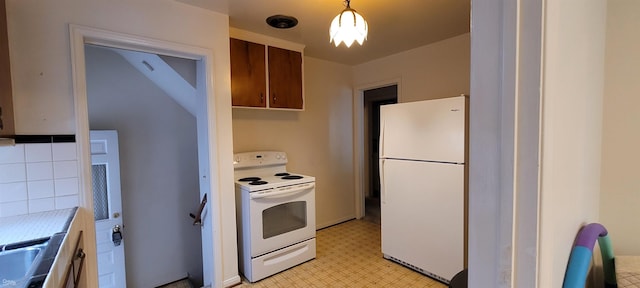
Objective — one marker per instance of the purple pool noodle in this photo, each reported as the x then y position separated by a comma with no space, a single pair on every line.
589,234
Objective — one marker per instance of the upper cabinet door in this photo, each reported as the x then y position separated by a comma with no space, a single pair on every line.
6,101
248,84
285,78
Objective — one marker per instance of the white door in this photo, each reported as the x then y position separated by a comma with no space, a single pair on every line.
105,171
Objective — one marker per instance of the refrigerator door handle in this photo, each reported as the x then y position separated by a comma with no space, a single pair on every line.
381,140
383,192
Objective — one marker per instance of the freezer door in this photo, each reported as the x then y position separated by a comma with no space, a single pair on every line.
422,211
424,130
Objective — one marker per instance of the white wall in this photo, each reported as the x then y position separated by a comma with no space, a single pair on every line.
570,93
318,141
41,70
619,198
573,82
432,71
491,147
158,167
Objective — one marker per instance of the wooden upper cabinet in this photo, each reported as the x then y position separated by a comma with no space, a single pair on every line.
6,101
248,83
285,78
252,64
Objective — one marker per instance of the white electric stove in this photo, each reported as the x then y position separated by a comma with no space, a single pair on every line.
275,213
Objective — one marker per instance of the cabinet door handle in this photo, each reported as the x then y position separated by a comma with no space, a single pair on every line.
274,98
261,97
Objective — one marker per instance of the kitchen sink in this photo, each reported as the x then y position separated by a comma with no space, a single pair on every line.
18,264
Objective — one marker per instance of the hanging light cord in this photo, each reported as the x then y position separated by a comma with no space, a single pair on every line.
348,4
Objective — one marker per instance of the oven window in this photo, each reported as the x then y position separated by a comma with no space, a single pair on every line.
284,218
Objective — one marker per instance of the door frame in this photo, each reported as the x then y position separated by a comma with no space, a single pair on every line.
373,103
207,132
358,143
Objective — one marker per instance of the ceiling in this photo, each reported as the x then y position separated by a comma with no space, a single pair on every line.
394,26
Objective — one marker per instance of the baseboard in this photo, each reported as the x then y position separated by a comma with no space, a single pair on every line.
334,222
232,281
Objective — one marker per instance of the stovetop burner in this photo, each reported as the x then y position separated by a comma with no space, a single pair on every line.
292,177
258,182
264,170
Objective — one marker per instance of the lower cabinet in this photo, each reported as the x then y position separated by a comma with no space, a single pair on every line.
68,268
75,265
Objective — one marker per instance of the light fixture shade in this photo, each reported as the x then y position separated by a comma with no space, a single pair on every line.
347,27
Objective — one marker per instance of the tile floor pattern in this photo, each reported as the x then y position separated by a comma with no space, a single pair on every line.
348,255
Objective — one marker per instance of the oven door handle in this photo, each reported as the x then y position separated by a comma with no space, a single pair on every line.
283,191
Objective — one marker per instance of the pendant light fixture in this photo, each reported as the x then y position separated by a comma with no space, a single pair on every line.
347,27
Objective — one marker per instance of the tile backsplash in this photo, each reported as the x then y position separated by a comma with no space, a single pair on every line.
37,177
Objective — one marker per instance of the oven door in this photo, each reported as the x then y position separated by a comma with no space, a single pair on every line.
281,217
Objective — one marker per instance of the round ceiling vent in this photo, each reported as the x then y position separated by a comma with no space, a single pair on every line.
282,21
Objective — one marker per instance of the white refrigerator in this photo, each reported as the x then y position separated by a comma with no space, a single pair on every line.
422,160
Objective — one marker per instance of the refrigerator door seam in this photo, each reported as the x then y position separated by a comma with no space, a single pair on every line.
429,161
383,189
381,140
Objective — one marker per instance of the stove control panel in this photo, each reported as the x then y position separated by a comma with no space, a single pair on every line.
259,159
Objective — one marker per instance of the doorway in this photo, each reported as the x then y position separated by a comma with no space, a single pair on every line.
159,176
373,99
208,168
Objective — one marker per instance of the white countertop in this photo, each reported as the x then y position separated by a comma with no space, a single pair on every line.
33,226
